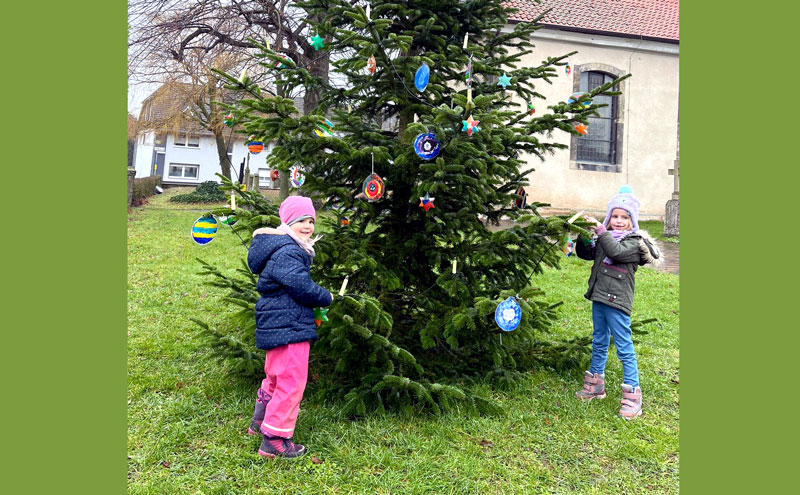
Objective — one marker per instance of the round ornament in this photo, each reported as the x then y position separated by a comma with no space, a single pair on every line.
324,128
228,120
296,176
531,108
422,76
508,315
373,187
254,145
575,96
522,202
568,248
427,146
204,229
274,175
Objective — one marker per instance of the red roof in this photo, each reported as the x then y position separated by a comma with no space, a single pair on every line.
651,19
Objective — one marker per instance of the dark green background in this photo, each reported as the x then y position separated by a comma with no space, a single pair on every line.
64,352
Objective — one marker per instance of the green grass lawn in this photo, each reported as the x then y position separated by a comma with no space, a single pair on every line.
188,414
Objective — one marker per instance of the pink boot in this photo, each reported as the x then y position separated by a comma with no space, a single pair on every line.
594,387
631,402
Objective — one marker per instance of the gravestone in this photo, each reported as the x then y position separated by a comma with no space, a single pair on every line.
671,210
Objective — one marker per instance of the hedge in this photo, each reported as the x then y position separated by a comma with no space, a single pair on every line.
144,188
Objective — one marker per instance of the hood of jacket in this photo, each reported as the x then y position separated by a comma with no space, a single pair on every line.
650,249
264,246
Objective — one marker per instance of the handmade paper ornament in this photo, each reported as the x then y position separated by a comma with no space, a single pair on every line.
228,219
228,120
274,175
324,128
427,146
317,42
281,65
531,108
204,229
582,129
372,64
422,76
426,201
470,125
345,221
567,68
320,315
576,96
508,315
568,248
373,187
504,81
523,201
296,176
254,146
468,73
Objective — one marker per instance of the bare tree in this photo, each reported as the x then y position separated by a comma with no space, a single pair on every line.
178,42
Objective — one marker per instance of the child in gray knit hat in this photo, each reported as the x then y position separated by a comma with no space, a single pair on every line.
618,250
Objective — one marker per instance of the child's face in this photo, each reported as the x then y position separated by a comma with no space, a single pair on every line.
620,220
304,228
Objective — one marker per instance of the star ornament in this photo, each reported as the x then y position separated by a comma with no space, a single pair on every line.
582,128
426,201
320,315
504,81
470,125
316,42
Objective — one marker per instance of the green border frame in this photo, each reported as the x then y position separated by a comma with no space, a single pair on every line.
64,82
738,192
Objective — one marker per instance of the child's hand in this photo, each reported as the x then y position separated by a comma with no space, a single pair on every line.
592,220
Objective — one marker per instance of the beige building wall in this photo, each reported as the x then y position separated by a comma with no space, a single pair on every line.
649,114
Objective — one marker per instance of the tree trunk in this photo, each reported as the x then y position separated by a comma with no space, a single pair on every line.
222,152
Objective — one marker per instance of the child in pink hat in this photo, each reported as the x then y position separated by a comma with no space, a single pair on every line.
284,322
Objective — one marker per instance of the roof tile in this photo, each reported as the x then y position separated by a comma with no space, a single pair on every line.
654,19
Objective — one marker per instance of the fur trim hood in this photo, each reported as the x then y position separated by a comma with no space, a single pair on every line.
651,253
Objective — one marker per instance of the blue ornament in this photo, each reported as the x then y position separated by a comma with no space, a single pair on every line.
204,229
427,146
508,315
422,76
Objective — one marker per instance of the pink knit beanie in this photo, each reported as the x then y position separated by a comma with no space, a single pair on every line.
296,208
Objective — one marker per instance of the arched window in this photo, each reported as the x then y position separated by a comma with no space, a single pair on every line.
601,148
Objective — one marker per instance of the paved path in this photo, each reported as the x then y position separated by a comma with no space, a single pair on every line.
671,251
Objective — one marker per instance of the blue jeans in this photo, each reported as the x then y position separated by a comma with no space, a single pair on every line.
610,322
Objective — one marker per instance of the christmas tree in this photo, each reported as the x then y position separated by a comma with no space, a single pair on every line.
414,151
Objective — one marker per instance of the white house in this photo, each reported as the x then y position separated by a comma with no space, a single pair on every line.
189,156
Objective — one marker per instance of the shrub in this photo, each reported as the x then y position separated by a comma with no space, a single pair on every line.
144,188
207,192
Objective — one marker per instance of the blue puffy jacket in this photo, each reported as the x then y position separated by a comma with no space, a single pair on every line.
285,311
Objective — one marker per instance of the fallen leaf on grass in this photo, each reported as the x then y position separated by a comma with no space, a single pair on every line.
316,460
676,382
485,443
165,464
546,421
203,296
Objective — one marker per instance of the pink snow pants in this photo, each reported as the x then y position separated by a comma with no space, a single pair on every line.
286,368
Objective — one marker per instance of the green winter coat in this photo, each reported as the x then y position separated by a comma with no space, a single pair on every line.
614,284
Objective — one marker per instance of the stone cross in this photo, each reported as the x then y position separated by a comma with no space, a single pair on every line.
675,172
